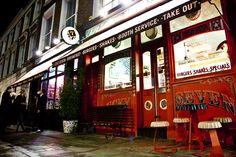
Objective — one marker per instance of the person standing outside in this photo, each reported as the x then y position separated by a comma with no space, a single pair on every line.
6,108
41,109
20,104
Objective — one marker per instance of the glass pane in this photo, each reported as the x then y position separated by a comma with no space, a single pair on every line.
59,87
76,64
161,69
201,54
147,75
45,75
51,89
52,71
207,12
118,73
60,69
44,85
151,34
121,45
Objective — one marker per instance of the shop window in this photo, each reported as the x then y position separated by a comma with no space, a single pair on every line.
117,46
52,71
147,75
45,75
95,59
59,86
151,34
60,69
207,12
118,73
51,89
44,84
201,54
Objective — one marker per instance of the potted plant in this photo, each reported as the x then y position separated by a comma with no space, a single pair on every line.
69,106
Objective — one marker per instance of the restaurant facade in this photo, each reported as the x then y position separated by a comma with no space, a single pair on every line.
160,61
161,58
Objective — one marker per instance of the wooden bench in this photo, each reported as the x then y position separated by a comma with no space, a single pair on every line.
113,118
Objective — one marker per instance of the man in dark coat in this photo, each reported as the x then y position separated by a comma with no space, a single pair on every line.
6,108
41,109
20,104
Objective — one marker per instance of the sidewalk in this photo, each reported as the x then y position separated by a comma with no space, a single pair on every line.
58,144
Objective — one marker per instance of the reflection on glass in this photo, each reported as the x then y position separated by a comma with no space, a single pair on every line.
45,75
44,85
147,76
51,88
52,71
201,54
76,64
161,68
60,69
59,86
118,73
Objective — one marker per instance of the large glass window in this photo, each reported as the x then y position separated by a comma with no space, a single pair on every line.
59,86
201,54
60,69
207,12
51,88
118,73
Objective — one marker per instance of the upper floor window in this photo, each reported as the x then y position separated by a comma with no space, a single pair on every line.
4,44
104,5
1,68
32,46
26,20
6,64
68,13
21,55
12,62
46,28
37,9
17,30
9,42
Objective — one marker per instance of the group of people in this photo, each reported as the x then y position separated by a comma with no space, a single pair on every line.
13,107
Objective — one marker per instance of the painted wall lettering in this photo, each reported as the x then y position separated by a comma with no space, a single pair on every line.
208,97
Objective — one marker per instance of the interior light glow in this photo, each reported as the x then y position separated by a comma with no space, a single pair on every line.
56,41
38,52
103,13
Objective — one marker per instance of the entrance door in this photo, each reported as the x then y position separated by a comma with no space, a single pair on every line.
153,83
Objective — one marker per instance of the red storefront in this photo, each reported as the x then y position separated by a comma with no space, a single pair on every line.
182,56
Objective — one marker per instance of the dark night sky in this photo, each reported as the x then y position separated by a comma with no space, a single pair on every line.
8,10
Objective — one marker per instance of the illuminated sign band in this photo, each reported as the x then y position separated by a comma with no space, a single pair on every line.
70,35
